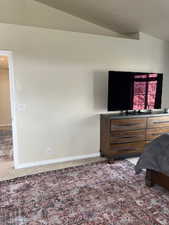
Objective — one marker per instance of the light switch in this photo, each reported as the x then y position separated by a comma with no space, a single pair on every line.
21,108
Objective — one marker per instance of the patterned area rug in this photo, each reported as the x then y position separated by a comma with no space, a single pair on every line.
94,194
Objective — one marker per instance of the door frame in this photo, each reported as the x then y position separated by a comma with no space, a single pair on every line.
12,104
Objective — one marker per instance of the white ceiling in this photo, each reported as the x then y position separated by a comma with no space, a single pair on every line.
124,16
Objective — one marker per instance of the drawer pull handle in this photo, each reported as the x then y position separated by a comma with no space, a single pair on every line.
134,136
155,134
130,136
126,125
160,121
126,149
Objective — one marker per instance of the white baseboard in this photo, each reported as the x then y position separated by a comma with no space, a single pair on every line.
59,160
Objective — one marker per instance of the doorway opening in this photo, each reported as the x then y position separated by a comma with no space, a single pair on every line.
7,156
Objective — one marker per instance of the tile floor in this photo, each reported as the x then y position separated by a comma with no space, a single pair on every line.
133,160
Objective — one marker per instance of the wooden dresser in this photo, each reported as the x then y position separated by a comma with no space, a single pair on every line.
124,136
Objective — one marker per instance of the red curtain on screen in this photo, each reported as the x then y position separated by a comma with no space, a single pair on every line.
145,87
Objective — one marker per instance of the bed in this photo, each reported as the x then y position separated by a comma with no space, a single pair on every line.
153,177
155,159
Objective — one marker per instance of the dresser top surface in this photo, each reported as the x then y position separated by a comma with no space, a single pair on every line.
132,115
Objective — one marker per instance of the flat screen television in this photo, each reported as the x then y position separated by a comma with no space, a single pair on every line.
134,90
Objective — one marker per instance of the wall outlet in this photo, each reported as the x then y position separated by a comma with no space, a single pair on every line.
50,151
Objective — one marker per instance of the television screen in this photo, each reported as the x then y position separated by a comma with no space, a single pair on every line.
134,90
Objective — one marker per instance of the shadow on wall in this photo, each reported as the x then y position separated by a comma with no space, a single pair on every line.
100,89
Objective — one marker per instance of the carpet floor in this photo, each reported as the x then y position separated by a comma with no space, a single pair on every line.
93,194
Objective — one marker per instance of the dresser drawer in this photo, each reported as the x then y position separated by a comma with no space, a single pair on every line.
127,136
135,147
155,132
128,124
154,122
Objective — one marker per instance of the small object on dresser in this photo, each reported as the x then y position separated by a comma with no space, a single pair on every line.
166,110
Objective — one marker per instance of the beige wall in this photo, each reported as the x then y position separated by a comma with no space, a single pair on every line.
61,79
5,111
32,13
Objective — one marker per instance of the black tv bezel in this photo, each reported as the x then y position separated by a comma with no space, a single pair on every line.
109,109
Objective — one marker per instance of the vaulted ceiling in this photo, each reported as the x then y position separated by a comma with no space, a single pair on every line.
124,16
